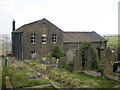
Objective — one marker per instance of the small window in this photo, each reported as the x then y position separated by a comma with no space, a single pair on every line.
33,39
44,39
118,68
33,54
54,38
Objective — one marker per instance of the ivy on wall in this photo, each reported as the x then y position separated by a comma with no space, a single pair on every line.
95,58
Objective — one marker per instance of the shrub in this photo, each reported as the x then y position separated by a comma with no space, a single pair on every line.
58,52
2,56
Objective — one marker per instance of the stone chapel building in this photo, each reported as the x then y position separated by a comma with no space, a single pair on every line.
38,39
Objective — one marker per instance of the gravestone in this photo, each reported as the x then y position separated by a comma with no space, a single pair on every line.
108,54
49,57
113,56
78,62
102,60
44,60
118,54
53,60
88,57
62,62
108,66
70,55
102,55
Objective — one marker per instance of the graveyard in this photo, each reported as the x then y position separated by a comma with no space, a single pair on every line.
75,69
31,73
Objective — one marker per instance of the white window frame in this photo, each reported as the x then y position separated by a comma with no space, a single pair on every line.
54,38
33,39
33,55
118,68
44,39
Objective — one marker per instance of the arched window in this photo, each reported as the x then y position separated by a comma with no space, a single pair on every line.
33,39
54,38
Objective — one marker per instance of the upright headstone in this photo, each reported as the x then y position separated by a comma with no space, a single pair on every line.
113,56
53,60
108,67
78,62
118,54
44,60
70,55
108,54
62,62
102,55
102,60
88,57
49,58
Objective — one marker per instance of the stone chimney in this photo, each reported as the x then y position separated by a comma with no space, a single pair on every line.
13,25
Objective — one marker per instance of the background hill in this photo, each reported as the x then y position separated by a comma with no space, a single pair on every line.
113,41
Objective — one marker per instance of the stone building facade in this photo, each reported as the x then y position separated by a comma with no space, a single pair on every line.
38,39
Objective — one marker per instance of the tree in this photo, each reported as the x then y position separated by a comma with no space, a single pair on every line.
58,52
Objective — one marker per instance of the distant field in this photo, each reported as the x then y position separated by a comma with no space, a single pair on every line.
113,41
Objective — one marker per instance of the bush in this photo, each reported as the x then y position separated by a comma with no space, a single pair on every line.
2,56
58,52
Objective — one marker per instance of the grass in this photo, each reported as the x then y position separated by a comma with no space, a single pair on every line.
62,77
113,42
0,75
19,76
78,80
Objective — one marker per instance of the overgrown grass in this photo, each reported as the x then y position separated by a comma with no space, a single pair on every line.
0,75
19,76
113,42
65,77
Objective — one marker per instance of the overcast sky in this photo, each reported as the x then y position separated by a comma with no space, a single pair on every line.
69,15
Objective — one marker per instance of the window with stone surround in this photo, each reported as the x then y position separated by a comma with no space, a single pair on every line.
33,39
44,39
33,54
54,38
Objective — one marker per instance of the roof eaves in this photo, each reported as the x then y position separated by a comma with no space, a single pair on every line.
100,36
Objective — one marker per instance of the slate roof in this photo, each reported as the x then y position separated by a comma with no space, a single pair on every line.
82,36
21,30
71,36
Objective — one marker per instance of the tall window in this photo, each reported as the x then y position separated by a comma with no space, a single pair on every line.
33,39
44,39
33,54
54,38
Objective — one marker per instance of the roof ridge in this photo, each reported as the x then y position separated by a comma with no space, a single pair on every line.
29,23
53,24
79,32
